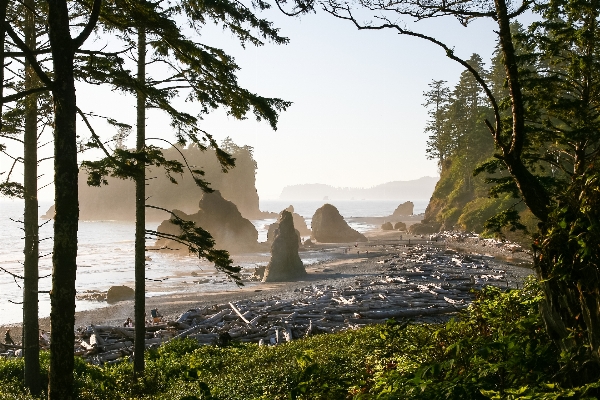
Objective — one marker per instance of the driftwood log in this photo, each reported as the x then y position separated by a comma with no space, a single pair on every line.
421,283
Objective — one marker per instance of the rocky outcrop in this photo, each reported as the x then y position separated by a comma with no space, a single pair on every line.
329,226
424,228
299,222
285,264
50,213
221,219
119,293
406,208
387,226
116,200
274,228
400,226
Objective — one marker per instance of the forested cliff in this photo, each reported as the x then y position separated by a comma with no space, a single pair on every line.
461,142
115,201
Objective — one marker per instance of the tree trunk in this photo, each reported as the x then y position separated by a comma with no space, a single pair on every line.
3,6
31,349
534,195
64,257
140,213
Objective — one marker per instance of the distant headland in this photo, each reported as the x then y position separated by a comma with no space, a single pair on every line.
417,189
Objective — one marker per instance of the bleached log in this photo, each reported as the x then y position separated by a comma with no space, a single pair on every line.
409,313
214,318
287,334
117,346
254,321
234,308
128,333
150,342
191,314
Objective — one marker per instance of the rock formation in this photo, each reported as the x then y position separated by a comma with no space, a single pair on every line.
406,208
328,226
221,219
387,226
119,293
274,229
299,222
116,201
50,213
285,264
424,228
400,226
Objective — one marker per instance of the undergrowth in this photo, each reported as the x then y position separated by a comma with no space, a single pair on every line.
496,349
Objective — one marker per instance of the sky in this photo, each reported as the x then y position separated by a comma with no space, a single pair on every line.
357,118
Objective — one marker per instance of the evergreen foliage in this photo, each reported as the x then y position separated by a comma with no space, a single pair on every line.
497,348
459,140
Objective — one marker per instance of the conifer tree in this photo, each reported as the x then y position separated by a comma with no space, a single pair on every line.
548,120
207,71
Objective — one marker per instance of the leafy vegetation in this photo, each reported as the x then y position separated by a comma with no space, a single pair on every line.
498,348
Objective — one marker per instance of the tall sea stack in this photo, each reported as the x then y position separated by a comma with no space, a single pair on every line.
285,264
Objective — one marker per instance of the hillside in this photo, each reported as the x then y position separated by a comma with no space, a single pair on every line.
418,189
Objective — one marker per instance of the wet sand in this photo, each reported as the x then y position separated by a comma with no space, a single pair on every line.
345,264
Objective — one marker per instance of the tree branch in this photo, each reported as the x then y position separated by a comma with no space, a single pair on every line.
89,28
23,94
29,55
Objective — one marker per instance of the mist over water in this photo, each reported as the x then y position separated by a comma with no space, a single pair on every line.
106,254
348,208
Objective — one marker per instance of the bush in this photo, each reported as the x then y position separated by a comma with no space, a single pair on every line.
387,226
497,348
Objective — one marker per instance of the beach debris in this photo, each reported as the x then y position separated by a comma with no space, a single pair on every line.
285,264
119,293
329,226
422,283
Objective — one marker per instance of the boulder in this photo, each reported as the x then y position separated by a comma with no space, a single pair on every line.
423,228
387,226
221,219
400,226
285,264
404,209
329,226
119,293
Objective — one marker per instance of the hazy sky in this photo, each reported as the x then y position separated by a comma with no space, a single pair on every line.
357,118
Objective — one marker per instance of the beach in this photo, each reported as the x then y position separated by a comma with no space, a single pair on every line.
341,266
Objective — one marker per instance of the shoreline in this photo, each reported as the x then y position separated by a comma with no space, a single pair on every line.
341,269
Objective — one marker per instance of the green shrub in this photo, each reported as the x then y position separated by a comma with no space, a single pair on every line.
497,348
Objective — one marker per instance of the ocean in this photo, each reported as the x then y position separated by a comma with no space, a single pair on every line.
105,254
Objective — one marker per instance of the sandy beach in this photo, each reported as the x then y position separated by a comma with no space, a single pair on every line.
341,268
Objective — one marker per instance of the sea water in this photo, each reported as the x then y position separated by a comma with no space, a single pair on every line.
106,254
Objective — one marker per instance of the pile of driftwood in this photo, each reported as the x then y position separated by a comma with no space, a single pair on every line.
504,246
423,283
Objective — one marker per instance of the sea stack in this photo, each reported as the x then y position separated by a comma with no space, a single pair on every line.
404,209
299,222
222,219
328,226
285,264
